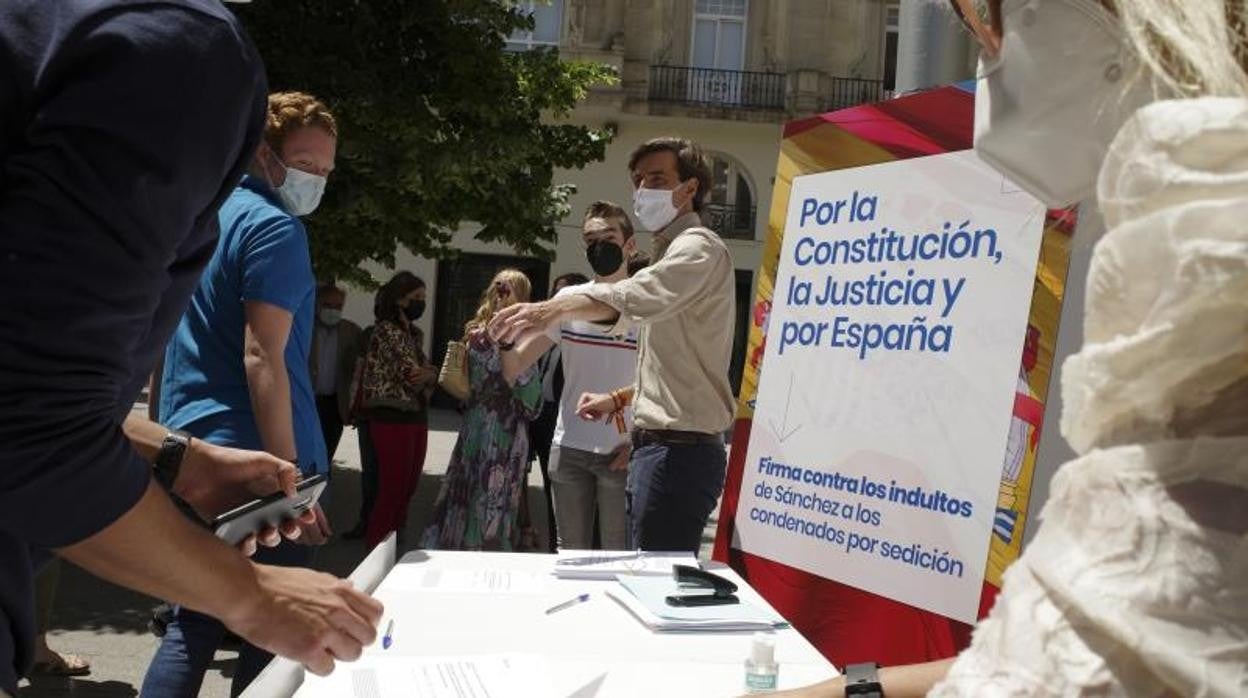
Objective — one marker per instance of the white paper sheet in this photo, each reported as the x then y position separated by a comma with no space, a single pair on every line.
597,564
484,676
645,597
482,582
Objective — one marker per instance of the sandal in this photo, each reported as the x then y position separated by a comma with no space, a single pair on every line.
63,665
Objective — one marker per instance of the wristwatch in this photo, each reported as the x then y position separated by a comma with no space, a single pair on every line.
863,680
169,458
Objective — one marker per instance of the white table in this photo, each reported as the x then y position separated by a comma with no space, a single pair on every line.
596,648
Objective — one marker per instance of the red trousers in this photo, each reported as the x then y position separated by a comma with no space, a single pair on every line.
400,452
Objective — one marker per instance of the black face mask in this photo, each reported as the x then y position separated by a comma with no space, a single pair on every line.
605,257
414,310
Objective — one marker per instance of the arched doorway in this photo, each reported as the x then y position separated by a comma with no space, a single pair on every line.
731,207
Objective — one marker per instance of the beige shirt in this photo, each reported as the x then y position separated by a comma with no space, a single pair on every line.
683,304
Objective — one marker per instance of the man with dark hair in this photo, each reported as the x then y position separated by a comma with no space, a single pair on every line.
683,304
691,164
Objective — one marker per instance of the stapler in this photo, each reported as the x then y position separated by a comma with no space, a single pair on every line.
723,592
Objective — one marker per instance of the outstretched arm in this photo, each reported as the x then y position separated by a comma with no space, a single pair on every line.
527,350
908,681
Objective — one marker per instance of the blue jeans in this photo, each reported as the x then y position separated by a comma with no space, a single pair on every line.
672,490
191,640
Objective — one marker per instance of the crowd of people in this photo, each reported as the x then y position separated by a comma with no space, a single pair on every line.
562,396
617,384
261,374
536,398
255,374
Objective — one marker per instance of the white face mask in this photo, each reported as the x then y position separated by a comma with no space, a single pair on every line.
1048,106
301,192
330,316
654,208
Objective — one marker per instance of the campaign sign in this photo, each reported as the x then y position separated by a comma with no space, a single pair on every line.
889,376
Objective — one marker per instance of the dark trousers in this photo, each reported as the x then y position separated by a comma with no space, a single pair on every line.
191,639
369,471
331,422
672,490
541,433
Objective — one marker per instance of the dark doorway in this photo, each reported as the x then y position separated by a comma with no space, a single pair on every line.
460,283
741,332
890,61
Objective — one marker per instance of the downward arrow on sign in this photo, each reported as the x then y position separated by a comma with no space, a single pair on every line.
782,432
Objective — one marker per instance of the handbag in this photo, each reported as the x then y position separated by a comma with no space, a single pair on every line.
453,377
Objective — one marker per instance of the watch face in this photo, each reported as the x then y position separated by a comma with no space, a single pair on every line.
169,458
862,680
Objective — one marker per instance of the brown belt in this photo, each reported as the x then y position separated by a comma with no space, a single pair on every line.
645,437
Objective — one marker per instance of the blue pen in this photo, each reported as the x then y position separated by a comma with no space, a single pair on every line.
388,638
568,604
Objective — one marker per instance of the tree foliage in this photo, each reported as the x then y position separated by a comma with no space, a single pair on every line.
439,124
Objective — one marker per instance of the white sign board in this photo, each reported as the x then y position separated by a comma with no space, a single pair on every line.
893,353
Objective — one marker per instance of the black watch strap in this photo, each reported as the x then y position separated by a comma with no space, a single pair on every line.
169,458
863,680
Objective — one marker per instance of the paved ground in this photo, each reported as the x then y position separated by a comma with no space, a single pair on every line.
108,624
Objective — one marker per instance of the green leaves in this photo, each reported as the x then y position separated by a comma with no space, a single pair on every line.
440,125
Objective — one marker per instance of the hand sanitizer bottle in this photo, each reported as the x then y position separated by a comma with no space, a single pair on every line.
761,672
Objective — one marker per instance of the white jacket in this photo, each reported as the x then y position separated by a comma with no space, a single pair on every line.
1137,581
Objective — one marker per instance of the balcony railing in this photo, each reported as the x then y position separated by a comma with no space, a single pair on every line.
734,222
850,92
716,88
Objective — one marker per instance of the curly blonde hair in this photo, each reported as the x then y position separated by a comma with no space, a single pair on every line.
491,303
1193,47
289,111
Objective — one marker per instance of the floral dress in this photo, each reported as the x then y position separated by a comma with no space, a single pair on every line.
480,497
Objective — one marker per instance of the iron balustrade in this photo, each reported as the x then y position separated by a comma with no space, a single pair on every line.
732,222
712,87
850,92
716,88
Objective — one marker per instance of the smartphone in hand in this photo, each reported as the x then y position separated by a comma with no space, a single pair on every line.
268,512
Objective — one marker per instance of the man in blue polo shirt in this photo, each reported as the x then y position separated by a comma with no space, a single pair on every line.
236,371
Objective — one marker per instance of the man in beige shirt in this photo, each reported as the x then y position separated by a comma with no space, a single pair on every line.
683,304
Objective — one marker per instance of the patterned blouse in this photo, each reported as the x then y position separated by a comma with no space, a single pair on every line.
394,354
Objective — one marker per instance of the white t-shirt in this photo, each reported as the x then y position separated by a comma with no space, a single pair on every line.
593,362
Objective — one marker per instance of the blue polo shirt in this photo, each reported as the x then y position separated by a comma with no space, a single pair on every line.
262,255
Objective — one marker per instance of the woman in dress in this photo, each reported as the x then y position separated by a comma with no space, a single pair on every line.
480,497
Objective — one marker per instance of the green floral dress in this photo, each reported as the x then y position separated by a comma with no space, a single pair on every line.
480,497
